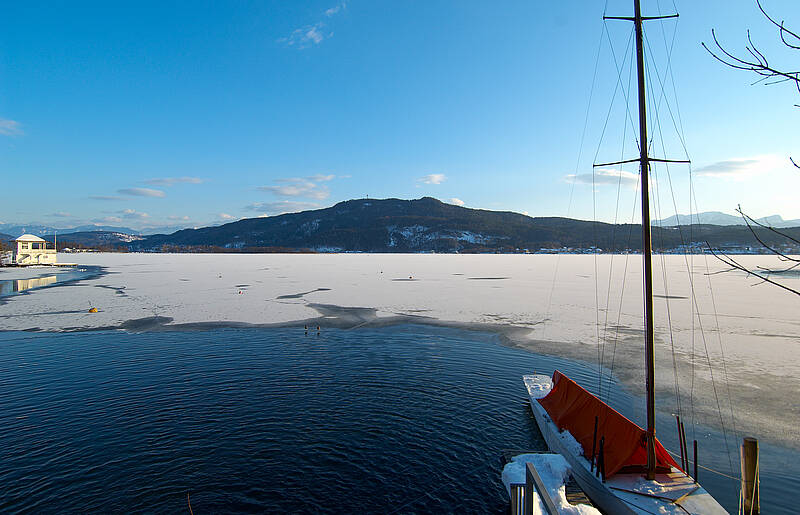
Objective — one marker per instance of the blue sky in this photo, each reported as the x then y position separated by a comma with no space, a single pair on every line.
192,113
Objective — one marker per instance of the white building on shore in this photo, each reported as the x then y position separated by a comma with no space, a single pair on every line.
32,250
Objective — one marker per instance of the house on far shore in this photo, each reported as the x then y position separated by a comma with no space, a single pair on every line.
32,250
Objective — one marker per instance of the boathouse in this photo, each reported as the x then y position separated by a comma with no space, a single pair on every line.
32,250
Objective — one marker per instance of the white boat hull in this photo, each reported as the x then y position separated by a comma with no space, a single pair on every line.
674,492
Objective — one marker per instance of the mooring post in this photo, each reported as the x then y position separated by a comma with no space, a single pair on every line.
695,461
680,442
685,447
750,479
529,489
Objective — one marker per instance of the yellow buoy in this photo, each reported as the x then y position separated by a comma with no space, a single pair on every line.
92,310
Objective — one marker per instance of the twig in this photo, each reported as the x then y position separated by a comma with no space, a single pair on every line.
769,227
189,503
734,264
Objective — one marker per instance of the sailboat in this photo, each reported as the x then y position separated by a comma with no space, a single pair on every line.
620,466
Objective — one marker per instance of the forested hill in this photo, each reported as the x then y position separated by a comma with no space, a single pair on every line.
427,224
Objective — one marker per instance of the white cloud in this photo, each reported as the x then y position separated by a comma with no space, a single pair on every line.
178,218
456,201
314,34
434,178
605,176
169,181
321,178
108,220
132,214
280,207
9,127
61,214
308,187
307,36
739,168
142,192
225,216
105,197
335,9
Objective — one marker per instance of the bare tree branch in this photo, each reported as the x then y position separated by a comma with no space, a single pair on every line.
757,62
748,219
735,265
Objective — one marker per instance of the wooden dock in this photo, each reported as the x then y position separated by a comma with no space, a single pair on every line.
522,491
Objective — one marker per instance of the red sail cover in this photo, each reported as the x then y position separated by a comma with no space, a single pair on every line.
573,408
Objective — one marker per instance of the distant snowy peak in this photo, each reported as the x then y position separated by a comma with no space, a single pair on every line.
719,218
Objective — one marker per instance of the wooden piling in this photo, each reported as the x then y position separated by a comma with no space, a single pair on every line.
750,479
680,442
685,447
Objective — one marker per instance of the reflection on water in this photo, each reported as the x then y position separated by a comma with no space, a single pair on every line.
18,285
12,286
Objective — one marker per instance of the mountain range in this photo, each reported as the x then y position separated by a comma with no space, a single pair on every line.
422,225
43,229
427,224
719,218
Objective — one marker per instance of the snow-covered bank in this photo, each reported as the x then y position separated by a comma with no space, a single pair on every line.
520,296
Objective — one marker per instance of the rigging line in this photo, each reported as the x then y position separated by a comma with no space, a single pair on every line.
624,275
719,338
596,293
614,230
719,408
678,131
721,349
663,259
629,47
577,166
669,49
694,299
671,46
704,467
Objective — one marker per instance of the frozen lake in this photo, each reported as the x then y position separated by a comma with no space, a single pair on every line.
550,304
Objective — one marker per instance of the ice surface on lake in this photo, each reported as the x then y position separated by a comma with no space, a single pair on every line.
551,304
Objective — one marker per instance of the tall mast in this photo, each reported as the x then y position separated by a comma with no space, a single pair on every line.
647,250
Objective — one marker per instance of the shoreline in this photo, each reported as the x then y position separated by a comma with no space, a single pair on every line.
246,304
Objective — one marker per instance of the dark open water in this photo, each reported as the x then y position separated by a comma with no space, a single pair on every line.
411,419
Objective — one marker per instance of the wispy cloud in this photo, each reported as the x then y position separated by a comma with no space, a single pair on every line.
280,207
61,214
108,220
321,178
178,218
170,181
105,197
308,187
315,33
9,127
225,216
739,168
434,178
132,214
142,192
456,201
306,36
604,176
335,9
